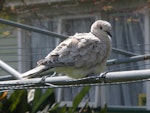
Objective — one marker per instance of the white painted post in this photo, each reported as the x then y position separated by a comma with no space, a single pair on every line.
103,96
148,95
10,70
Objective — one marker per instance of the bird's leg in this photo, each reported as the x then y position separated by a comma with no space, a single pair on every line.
49,84
44,77
103,76
54,74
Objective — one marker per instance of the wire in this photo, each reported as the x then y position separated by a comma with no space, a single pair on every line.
7,87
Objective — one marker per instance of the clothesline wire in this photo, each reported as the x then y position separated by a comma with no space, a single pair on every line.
46,85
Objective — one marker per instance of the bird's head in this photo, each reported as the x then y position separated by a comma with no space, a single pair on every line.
101,27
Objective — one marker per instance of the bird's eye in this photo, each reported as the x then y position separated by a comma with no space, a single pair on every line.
101,27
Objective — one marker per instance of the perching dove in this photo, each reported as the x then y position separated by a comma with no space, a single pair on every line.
79,55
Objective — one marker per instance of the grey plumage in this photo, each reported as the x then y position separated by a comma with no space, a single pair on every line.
79,55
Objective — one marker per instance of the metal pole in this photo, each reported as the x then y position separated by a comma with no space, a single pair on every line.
128,60
10,70
31,28
121,76
127,75
123,52
6,77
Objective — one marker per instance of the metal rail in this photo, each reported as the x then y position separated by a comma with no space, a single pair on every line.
123,52
10,70
31,28
65,81
128,60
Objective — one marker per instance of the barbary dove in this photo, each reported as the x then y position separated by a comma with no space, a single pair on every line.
79,55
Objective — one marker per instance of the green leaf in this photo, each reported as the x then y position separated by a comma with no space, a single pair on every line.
78,98
63,109
40,98
18,99
54,107
104,109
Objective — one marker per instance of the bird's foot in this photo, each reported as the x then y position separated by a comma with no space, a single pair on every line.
103,76
54,74
43,80
44,77
46,83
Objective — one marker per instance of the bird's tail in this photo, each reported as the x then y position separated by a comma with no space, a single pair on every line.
37,71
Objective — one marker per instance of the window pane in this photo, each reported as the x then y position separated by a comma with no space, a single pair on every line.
42,44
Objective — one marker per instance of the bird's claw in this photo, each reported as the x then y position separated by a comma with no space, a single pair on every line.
45,83
44,77
103,76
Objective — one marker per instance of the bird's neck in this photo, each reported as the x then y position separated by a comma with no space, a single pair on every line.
104,37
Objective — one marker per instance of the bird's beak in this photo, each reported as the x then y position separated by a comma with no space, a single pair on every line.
108,33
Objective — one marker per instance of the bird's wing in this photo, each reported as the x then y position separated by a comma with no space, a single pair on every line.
82,49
